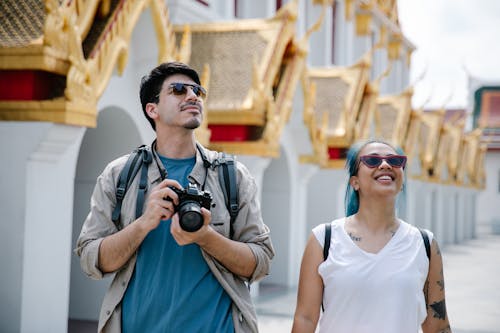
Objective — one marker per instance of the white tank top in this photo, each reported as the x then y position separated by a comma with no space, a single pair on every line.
371,293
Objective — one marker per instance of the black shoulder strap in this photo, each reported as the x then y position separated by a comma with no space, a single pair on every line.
139,157
326,247
147,158
328,236
228,182
427,244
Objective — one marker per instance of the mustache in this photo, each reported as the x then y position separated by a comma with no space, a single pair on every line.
191,104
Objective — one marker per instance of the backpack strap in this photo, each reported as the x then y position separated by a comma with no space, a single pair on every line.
326,247
427,244
147,158
328,237
228,183
136,159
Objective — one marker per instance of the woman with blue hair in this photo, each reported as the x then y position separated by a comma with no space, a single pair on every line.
376,275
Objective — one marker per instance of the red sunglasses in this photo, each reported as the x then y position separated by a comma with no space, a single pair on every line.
374,161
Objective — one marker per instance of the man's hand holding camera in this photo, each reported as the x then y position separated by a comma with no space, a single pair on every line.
157,208
188,208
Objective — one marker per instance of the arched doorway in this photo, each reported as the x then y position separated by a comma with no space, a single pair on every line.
116,134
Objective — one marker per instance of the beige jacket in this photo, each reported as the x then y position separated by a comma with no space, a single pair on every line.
248,228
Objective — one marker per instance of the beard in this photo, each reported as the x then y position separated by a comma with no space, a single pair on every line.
192,124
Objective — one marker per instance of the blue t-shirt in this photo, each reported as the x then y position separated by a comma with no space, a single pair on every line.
172,288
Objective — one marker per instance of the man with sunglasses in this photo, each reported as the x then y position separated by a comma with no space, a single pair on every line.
168,279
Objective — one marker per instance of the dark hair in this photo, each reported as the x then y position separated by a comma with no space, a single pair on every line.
351,200
152,83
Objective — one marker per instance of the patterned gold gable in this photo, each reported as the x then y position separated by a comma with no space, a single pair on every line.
450,141
392,116
470,160
431,123
332,101
254,66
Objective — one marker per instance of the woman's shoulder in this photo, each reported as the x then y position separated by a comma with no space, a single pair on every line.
319,230
415,231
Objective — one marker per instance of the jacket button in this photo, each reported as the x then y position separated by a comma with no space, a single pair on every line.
124,283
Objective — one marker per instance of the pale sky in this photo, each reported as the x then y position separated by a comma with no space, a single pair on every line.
451,36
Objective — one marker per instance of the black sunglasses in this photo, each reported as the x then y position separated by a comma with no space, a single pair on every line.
374,161
179,88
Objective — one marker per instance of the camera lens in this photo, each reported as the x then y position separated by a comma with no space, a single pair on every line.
190,217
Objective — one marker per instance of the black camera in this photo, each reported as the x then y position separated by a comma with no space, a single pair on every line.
189,208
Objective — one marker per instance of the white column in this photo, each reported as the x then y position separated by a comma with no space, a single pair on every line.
256,166
448,212
428,195
461,213
48,218
473,216
456,215
439,215
256,8
298,223
320,52
470,214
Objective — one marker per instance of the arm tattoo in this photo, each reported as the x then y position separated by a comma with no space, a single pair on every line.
441,284
447,329
439,309
354,238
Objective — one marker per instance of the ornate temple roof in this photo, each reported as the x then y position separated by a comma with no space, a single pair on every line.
392,117
332,100
449,148
57,56
254,67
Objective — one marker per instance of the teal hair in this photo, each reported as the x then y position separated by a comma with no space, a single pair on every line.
351,200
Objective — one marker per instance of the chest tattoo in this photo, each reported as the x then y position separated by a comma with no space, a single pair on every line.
354,238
